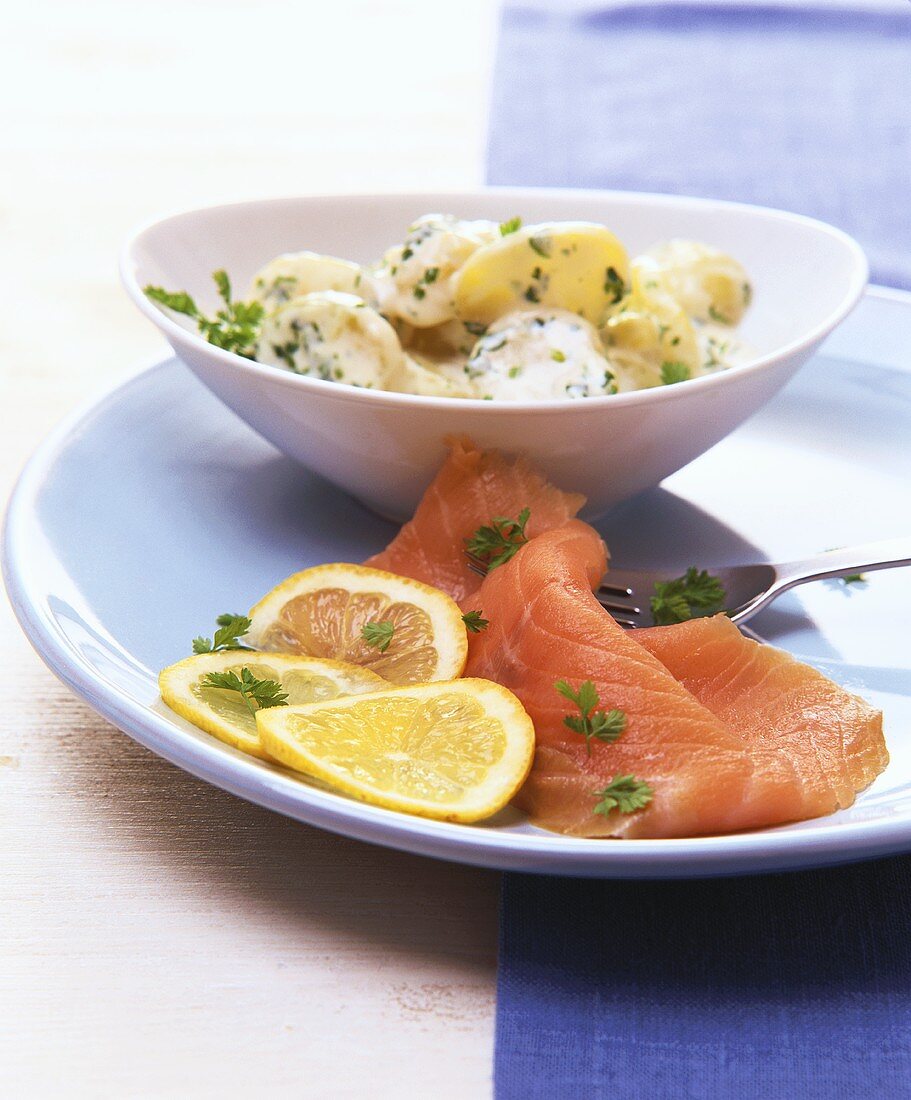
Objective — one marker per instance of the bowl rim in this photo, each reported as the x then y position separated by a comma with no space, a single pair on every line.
691,387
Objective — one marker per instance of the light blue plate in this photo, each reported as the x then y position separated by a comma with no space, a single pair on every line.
155,509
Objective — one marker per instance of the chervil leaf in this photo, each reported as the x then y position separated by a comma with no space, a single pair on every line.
235,327
264,693
603,725
674,372
678,600
624,793
379,635
230,629
499,541
474,623
510,227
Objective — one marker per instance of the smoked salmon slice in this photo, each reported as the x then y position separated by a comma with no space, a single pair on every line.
472,487
724,731
832,739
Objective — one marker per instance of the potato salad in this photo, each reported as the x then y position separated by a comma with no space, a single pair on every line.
492,311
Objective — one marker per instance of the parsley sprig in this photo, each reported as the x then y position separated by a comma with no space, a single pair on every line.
511,226
499,541
264,693
625,793
604,725
474,623
379,634
694,594
230,629
235,327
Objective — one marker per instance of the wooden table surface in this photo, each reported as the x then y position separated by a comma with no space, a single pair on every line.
160,937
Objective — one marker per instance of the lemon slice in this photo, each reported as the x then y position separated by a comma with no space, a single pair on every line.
577,266
322,612
453,751
223,712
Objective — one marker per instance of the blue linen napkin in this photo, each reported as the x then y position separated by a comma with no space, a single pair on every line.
780,987
804,106
771,987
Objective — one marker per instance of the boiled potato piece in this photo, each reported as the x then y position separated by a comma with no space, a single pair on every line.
296,273
413,280
432,378
540,355
650,340
332,336
576,266
708,284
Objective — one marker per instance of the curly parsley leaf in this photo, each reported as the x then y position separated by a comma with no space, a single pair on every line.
235,327
697,592
603,725
230,629
510,226
674,372
624,793
264,693
378,635
179,300
500,540
474,623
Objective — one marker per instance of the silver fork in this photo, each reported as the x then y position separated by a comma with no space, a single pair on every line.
626,593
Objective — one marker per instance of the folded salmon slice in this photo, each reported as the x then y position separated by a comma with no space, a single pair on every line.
472,488
715,764
832,739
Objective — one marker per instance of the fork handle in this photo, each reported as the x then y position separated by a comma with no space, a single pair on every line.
850,559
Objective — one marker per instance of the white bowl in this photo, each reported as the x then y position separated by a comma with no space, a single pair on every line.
384,448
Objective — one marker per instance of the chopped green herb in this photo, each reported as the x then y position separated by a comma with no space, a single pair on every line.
541,245
233,328
674,372
697,591
558,356
407,253
430,275
420,292
854,578
499,541
514,372
286,352
378,635
719,317
230,629
603,725
614,286
625,794
510,227
264,693
474,623
531,294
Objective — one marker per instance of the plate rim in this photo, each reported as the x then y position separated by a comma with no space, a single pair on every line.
209,760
